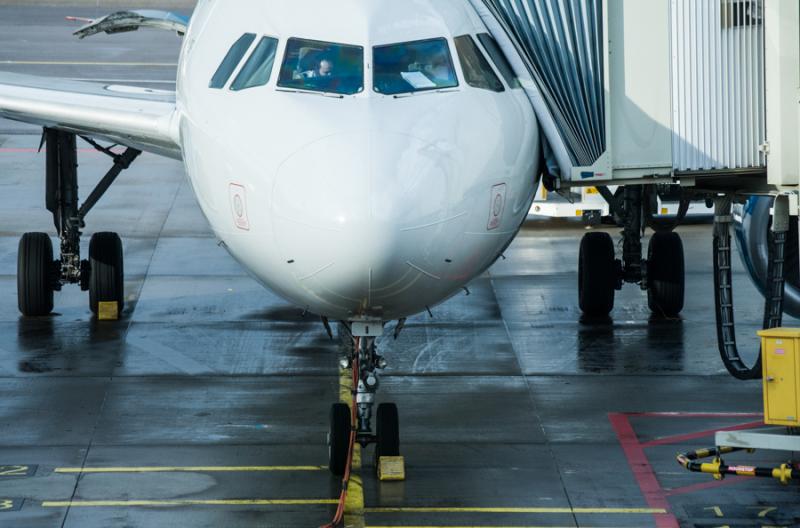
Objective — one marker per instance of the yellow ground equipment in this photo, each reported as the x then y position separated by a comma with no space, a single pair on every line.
391,468
107,311
780,348
780,360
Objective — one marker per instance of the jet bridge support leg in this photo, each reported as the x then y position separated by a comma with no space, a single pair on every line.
38,274
600,274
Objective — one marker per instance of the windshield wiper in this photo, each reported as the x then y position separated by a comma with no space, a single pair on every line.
424,92
311,92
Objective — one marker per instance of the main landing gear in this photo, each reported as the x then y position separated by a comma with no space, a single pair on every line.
601,274
38,273
362,358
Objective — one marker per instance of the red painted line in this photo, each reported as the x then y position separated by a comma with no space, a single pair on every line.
642,470
676,439
694,415
705,485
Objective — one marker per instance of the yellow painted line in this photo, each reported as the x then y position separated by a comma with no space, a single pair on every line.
186,502
89,63
185,469
635,511
354,503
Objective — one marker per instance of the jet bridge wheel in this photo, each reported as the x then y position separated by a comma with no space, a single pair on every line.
107,278
339,438
387,431
665,274
598,274
35,275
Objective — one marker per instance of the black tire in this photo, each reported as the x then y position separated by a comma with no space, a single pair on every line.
387,431
35,275
339,438
665,274
597,274
107,276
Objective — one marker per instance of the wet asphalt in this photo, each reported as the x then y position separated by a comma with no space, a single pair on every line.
515,411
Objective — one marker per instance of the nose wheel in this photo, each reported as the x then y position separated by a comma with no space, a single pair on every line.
343,421
387,431
339,438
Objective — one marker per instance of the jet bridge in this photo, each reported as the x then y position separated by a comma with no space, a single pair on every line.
633,90
646,94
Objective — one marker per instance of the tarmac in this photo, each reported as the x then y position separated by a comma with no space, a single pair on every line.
207,404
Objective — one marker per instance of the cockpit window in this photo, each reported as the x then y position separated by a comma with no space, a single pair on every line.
477,71
413,67
231,60
322,67
500,60
258,68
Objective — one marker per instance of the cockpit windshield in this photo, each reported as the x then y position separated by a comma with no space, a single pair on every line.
413,66
322,67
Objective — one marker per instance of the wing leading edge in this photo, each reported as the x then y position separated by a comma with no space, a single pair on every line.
139,118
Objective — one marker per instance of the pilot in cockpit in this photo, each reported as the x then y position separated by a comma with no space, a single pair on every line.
324,68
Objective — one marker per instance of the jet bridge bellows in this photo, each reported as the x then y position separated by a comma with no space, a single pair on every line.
630,89
561,43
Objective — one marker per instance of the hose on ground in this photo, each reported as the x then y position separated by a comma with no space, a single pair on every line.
723,291
784,473
338,518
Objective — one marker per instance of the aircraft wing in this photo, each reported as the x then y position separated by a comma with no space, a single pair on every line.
135,117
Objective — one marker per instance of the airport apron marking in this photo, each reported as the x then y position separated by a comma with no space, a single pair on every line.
188,469
354,503
17,471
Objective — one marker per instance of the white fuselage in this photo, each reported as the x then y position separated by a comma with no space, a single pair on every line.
363,205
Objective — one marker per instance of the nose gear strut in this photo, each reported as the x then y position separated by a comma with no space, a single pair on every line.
369,363
366,381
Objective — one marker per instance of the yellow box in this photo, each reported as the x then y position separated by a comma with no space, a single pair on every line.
108,311
391,468
780,348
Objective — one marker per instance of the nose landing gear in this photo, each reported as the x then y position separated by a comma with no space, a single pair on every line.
661,274
366,363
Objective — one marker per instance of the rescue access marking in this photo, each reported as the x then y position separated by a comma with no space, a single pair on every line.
188,469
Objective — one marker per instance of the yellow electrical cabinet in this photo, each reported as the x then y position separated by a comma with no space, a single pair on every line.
780,348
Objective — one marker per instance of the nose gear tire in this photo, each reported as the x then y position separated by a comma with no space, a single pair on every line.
339,438
107,280
665,274
597,274
387,431
35,275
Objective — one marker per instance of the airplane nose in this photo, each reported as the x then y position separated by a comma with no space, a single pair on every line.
350,213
